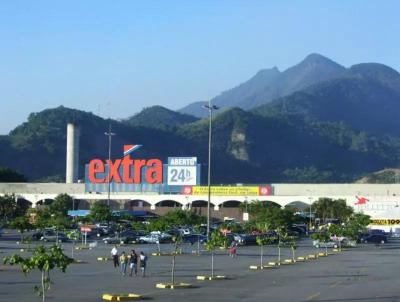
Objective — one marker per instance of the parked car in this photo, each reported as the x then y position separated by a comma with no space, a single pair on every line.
112,240
50,235
37,235
300,230
330,244
292,232
377,231
374,238
344,242
127,236
245,239
194,238
155,237
185,231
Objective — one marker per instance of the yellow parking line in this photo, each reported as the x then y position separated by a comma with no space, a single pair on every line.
313,296
335,284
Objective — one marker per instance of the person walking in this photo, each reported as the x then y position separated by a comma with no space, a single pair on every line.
123,261
143,263
133,260
233,249
114,254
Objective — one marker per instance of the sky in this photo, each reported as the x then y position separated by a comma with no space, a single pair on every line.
114,58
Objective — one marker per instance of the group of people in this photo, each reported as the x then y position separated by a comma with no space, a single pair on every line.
133,260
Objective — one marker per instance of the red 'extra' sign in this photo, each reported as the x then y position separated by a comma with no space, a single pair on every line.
126,170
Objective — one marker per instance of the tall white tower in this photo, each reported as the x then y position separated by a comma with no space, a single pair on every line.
72,154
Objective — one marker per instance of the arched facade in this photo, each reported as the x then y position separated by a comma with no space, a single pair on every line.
382,200
138,205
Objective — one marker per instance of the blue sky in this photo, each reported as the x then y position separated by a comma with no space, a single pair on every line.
115,57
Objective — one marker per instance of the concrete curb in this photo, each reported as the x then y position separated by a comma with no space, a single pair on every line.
121,297
78,261
83,248
211,278
256,267
173,286
165,254
288,261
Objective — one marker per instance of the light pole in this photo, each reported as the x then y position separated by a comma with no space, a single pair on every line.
210,109
310,199
109,134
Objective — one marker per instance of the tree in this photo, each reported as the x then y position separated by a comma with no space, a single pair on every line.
271,214
44,260
322,207
286,241
22,224
330,208
281,232
8,207
262,241
356,225
177,241
60,223
322,237
9,175
74,236
230,227
216,239
100,212
175,218
42,217
61,205
337,231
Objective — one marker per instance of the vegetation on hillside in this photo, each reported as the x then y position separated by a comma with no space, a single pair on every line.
338,125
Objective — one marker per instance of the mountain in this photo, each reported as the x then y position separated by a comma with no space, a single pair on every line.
37,148
269,84
377,72
366,98
382,177
329,124
159,117
247,146
195,109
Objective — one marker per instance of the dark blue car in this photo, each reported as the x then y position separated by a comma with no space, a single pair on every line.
194,238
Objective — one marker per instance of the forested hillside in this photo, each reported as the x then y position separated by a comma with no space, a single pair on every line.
318,122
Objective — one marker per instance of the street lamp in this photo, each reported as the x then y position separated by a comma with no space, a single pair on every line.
310,215
310,198
210,109
109,134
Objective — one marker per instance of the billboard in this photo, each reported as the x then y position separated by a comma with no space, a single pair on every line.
228,190
129,174
182,171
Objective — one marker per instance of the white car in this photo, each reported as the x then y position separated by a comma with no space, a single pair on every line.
185,231
345,242
155,237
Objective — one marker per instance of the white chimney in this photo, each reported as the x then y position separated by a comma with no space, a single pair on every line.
72,154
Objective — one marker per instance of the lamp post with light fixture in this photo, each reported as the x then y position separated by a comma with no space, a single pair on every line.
210,109
110,135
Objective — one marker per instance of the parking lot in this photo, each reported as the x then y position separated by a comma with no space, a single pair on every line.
366,273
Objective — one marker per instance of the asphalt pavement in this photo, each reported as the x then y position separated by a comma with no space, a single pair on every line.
365,273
